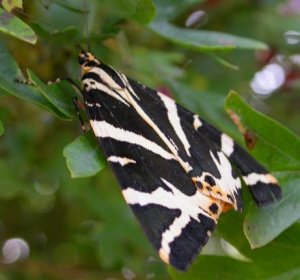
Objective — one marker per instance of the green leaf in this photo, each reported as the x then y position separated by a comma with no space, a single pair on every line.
169,9
60,94
1,128
69,7
13,26
8,67
9,72
142,11
274,145
223,62
69,34
164,64
205,41
205,268
262,225
9,5
83,157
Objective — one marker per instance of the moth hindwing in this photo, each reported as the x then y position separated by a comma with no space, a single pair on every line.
175,170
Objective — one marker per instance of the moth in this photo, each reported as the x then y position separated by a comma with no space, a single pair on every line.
177,172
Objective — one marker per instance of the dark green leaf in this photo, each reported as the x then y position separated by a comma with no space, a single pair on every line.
169,9
13,26
163,65
83,157
70,7
59,94
8,68
9,72
205,268
262,225
206,41
142,11
69,34
275,145
145,11
1,128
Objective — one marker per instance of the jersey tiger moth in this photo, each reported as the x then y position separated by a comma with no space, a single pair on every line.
177,172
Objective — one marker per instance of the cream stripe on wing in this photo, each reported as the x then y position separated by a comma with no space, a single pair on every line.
227,144
173,231
186,166
103,129
127,95
128,86
175,121
254,178
106,78
197,122
121,160
191,206
93,84
227,182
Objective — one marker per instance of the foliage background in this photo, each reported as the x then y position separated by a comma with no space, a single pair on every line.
80,228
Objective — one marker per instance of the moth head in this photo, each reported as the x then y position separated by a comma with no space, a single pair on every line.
87,61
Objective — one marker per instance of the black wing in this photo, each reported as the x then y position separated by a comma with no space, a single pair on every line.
263,186
176,179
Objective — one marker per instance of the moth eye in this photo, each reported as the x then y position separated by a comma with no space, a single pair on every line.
81,58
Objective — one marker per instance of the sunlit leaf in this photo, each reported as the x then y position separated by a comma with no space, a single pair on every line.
274,145
200,40
9,5
83,157
13,26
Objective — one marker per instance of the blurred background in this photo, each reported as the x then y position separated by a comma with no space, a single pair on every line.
56,227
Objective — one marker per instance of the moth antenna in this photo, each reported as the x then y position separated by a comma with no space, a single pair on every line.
85,8
80,48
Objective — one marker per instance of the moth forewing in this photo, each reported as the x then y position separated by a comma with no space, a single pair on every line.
174,169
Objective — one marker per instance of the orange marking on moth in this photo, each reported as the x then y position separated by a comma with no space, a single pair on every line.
271,179
85,69
164,256
208,189
227,207
216,194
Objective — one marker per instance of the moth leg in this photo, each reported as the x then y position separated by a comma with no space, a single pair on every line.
79,105
24,81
